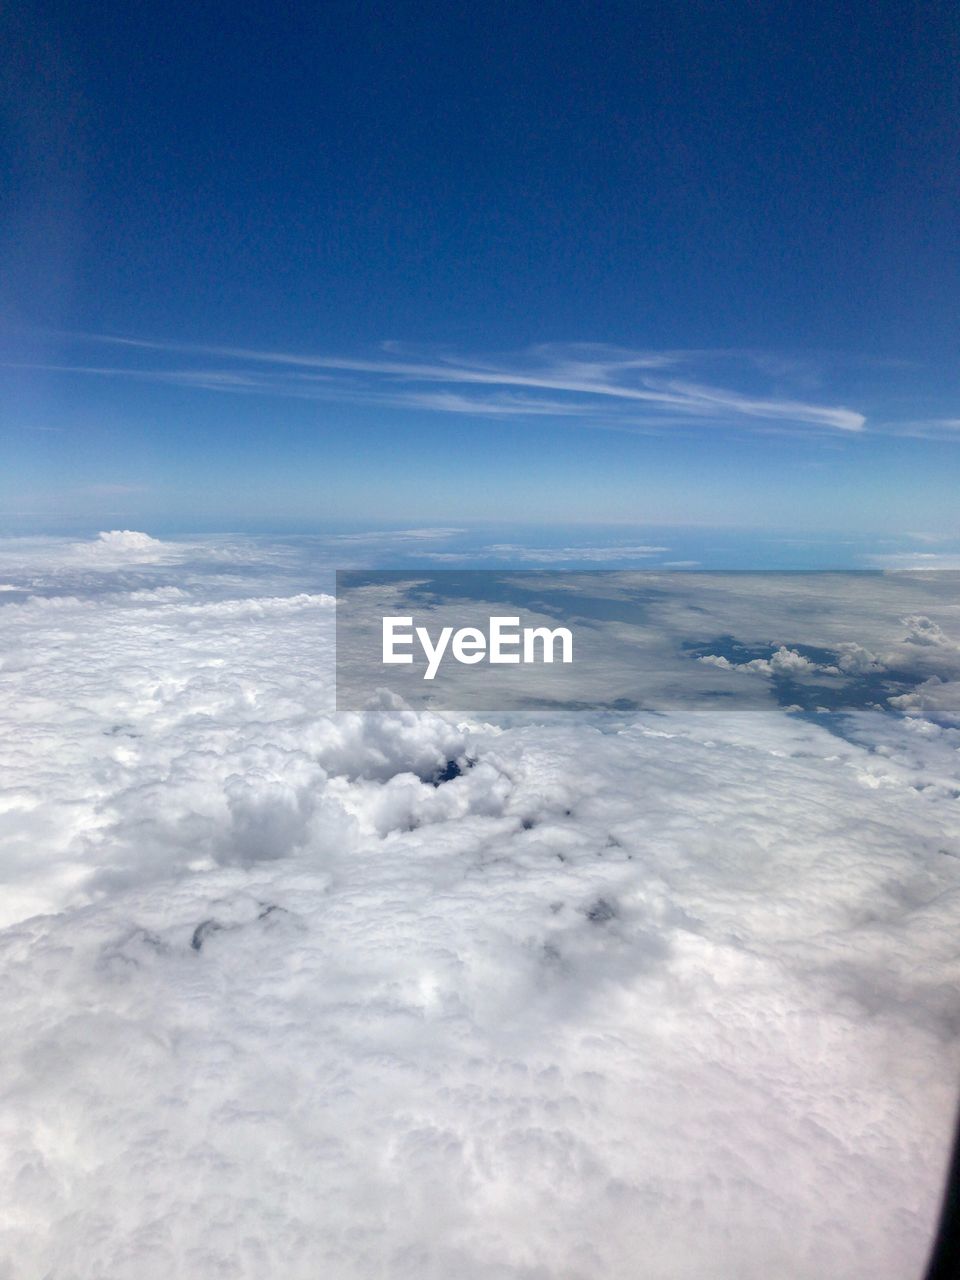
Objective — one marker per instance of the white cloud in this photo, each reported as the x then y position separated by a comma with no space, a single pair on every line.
393,536
914,560
839,419
924,631
935,699
598,385
277,1004
782,661
516,552
120,543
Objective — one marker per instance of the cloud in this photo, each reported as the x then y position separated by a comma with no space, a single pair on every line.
922,630
935,700
393,536
923,655
913,560
783,661
941,429
111,549
290,992
127,543
518,553
593,384
791,410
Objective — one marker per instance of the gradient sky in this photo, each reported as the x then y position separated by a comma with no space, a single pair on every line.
563,263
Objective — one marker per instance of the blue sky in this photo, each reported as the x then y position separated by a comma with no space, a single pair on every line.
639,264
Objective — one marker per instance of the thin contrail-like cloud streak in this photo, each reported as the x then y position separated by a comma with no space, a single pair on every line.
588,375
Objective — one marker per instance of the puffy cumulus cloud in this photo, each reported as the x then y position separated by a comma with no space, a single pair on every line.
388,738
922,655
293,993
126,560
128,543
935,699
782,661
127,713
111,549
854,659
924,631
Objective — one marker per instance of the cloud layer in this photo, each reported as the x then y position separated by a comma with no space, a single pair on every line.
291,994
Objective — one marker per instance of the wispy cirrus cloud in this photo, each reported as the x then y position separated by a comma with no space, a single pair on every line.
926,428
590,384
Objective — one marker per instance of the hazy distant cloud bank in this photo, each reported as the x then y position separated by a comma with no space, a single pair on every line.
295,994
